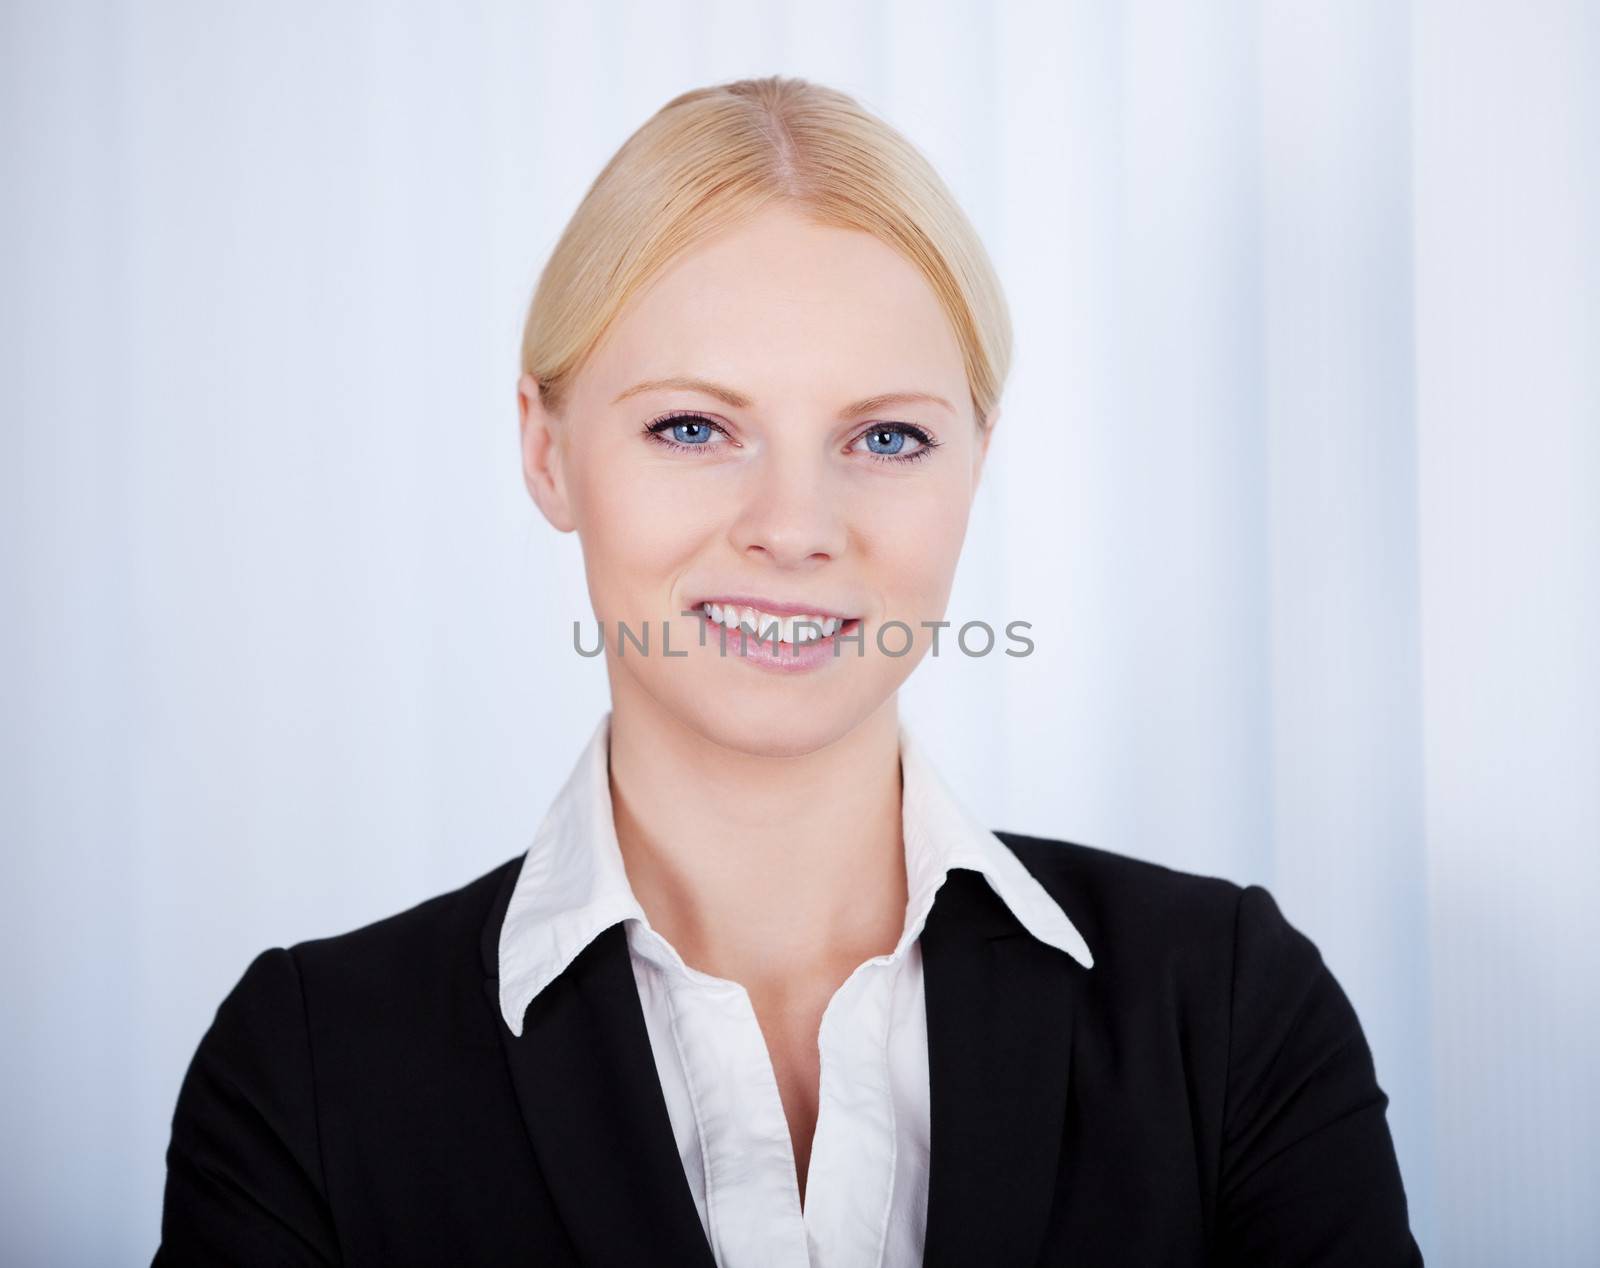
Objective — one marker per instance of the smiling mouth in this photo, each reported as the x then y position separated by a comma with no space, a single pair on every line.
797,630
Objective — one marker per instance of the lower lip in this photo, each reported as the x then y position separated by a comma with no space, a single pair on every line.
783,658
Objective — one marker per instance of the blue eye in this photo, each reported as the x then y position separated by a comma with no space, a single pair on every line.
887,442
683,431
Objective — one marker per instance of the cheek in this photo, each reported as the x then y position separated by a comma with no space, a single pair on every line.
636,538
915,541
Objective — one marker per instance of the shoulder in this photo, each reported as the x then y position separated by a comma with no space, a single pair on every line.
415,973
402,975
1118,901
1057,864
1146,923
437,933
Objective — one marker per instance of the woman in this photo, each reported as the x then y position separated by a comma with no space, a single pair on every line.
761,992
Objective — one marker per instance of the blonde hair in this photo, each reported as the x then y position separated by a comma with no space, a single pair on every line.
714,156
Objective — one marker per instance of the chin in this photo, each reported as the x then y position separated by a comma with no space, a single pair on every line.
766,720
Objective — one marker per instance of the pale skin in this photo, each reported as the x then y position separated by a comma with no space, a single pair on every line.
759,813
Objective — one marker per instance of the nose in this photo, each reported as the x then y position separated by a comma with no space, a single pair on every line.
792,512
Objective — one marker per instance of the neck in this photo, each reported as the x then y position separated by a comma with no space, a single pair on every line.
761,869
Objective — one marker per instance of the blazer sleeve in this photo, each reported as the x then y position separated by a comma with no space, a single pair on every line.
1309,1174
244,1177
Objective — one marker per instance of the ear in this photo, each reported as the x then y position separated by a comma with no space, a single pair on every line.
542,455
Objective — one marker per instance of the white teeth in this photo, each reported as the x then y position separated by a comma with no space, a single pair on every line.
800,629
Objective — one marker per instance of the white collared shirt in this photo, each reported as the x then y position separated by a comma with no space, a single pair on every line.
867,1183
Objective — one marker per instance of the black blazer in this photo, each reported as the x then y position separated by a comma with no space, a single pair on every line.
1203,1095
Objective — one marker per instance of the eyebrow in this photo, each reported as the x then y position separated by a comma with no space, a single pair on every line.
738,400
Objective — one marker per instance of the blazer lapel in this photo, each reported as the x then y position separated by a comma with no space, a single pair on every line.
1000,1008
591,1099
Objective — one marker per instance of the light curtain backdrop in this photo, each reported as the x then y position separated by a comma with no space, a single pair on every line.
1298,481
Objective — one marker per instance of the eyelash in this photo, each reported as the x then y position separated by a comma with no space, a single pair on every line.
658,428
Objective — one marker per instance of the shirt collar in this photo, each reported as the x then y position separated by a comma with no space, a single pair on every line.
573,885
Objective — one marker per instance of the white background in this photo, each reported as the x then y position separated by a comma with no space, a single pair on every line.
1298,481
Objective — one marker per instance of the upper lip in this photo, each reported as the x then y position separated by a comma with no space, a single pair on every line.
773,607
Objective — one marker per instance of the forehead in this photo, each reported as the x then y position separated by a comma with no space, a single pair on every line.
779,304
